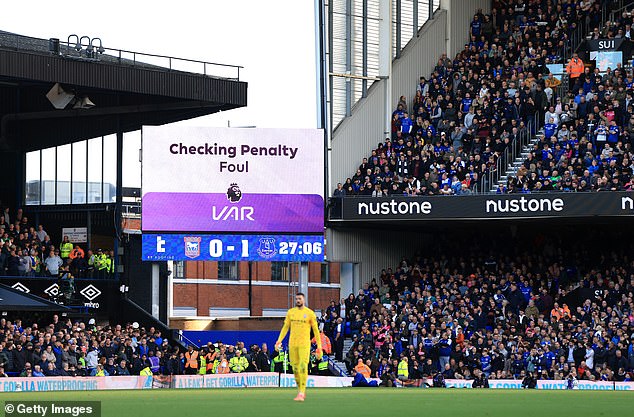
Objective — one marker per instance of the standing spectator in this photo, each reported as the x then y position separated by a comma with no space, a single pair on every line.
41,233
551,84
53,263
110,264
92,360
66,247
102,264
35,263
24,263
338,336
4,358
91,260
444,350
476,26
13,262
338,196
78,263
574,69
174,364
262,359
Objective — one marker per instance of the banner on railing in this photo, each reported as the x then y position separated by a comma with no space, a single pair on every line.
75,383
288,381
243,380
541,384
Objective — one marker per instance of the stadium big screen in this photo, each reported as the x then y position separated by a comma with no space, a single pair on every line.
232,194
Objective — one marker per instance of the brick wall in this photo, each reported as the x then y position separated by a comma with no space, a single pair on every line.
236,295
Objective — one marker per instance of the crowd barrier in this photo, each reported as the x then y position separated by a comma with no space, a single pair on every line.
253,380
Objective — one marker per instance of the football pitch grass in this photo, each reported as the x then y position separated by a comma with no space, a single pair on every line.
353,402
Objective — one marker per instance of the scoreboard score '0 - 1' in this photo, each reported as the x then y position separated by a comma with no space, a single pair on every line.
296,248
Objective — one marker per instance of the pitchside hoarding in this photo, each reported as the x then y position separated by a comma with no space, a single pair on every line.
258,380
482,207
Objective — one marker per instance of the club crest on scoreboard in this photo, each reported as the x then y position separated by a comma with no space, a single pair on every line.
192,246
267,248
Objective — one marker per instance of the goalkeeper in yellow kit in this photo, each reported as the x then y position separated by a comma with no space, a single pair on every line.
300,320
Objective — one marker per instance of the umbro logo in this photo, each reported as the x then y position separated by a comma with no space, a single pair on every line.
21,287
90,292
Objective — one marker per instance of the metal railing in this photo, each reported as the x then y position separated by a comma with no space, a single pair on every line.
582,28
335,368
184,340
510,154
621,7
576,38
560,91
88,51
131,209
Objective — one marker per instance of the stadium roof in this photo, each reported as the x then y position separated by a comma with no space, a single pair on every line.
16,300
127,91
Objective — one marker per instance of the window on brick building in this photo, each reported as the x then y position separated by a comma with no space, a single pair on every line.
325,273
179,269
280,271
228,270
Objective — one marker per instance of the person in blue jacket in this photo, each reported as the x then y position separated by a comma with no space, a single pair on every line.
359,381
485,362
406,124
550,129
613,132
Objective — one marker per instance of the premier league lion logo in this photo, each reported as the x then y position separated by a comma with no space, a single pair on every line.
233,193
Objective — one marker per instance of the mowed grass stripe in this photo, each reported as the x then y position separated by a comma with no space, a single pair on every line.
265,402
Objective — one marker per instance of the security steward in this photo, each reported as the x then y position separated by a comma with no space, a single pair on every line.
191,361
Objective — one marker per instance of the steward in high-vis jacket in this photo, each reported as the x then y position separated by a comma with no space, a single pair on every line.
65,248
403,369
238,363
191,361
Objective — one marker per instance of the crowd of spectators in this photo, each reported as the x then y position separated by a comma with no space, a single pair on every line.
448,139
76,348
586,144
27,250
550,312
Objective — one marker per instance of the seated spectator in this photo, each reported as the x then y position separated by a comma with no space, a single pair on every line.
497,85
480,336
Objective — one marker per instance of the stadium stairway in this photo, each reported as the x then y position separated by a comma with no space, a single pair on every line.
514,166
339,368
